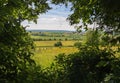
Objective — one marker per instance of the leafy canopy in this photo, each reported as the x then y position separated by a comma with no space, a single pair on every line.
22,9
16,45
102,12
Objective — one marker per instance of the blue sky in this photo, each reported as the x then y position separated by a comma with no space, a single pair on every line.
54,19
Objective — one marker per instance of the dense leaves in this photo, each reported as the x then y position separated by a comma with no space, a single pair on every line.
102,12
93,38
15,44
16,49
22,9
92,65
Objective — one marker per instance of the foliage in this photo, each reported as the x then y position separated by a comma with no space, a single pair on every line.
16,49
21,10
77,44
115,40
105,38
92,64
92,38
58,44
32,74
102,12
110,40
89,65
16,45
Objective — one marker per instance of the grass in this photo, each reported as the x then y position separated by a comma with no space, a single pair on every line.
44,56
51,43
45,51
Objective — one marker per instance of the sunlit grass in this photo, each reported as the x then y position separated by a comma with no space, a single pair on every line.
51,43
45,56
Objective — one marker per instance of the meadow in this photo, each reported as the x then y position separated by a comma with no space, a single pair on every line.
51,43
45,51
54,35
44,56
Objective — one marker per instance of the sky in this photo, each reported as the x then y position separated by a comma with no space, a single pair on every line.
54,19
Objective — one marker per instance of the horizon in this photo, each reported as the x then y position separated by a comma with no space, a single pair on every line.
47,30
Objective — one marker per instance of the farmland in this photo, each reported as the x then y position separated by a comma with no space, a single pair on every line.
44,41
51,43
45,51
45,56
54,35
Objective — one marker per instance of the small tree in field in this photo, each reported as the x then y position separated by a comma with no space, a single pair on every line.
58,44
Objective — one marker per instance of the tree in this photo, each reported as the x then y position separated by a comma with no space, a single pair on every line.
77,44
58,44
21,10
102,12
93,38
15,52
92,64
89,65
15,44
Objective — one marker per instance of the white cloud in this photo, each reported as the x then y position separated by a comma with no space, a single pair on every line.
53,20
50,22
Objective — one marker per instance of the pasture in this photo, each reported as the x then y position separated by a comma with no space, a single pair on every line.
51,43
45,51
55,35
44,56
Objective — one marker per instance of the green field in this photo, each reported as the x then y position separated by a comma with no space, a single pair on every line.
51,43
45,51
45,55
45,36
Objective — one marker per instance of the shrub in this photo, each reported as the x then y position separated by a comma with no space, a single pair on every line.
77,44
66,39
58,44
89,65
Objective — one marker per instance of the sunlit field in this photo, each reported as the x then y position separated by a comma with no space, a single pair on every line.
51,43
45,51
44,56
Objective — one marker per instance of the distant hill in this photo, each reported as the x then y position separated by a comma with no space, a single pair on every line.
50,31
